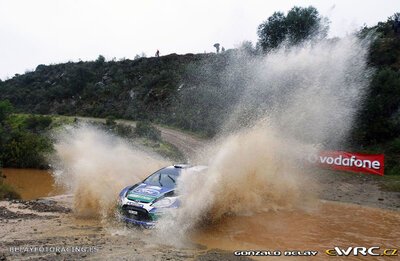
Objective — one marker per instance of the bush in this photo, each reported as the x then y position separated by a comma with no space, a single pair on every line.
26,150
124,130
23,143
110,121
8,192
146,130
37,123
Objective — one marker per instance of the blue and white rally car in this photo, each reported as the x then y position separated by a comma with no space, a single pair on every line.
143,203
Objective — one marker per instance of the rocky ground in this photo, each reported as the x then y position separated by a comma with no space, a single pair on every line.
360,189
44,229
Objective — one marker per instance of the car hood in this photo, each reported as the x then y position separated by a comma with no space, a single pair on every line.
147,193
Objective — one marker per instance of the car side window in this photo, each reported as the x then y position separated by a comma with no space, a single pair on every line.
168,180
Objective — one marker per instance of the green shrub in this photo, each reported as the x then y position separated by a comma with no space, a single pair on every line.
110,121
23,142
37,123
146,130
124,130
8,192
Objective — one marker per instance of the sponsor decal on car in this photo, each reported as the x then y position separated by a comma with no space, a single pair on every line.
154,187
139,197
147,191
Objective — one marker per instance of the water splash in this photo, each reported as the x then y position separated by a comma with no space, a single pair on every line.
298,100
95,165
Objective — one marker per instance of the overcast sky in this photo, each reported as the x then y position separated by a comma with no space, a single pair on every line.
52,31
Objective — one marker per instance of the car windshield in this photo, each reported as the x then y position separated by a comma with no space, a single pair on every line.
163,178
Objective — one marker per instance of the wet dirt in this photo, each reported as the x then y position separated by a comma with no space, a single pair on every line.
329,225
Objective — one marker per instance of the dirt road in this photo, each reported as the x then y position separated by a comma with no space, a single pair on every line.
188,144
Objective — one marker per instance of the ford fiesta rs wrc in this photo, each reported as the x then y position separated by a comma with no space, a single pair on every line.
143,203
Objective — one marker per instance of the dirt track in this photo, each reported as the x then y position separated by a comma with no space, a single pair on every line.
49,222
186,143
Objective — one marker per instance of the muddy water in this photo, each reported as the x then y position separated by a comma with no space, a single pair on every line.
331,224
32,183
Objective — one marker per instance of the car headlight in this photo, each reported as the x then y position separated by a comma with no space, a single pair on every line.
164,203
122,195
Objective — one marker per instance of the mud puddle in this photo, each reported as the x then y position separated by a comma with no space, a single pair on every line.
32,183
331,224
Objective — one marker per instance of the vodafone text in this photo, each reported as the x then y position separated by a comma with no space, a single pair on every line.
350,162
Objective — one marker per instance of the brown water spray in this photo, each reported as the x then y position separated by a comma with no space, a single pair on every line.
299,100
95,166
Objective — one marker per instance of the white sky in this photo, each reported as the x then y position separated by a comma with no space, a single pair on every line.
36,32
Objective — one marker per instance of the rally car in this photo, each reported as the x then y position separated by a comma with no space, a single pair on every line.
143,203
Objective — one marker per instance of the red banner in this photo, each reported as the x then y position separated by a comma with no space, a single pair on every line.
348,161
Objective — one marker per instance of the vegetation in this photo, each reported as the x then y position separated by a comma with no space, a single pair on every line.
391,183
298,25
138,89
25,141
6,191
378,125
145,129
145,134
151,137
22,139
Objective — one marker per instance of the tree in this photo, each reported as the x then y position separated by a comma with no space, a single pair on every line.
100,59
247,47
272,32
304,23
298,25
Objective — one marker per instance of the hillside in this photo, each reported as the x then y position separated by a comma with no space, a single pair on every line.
142,89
